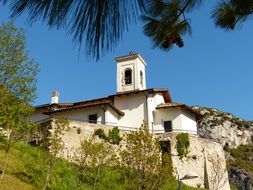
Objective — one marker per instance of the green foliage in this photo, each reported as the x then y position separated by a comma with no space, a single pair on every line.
17,87
17,82
141,160
91,157
233,187
228,14
194,157
54,139
17,71
28,167
55,145
100,25
92,154
100,133
27,164
114,136
78,130
183,144
242,157
165,22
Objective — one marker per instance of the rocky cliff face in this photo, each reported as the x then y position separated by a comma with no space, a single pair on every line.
231,132
224,128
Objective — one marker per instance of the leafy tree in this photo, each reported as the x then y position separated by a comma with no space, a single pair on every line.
17,87
141,159
100,24
229,13
91,157
165,22
55,144
114,136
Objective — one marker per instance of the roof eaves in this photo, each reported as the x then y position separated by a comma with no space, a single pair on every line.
180,105
121,113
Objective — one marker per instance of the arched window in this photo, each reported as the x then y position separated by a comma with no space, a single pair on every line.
128,76
141,77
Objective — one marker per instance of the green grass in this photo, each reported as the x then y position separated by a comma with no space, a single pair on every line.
26,167
26,170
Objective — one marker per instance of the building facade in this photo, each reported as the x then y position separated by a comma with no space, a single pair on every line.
132,104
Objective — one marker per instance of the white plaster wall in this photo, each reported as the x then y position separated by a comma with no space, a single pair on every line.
158,99
111,118
152,102
181,120
140,67
162,115
82,114
38,116
136,65
188,123
134,107
121,67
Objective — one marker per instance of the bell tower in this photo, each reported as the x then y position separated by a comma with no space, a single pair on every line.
130,72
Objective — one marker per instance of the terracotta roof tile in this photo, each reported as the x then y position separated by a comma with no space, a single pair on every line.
176,105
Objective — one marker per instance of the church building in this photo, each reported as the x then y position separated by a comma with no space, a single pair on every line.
132,104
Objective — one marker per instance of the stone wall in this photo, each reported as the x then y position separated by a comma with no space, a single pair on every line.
201,159
205,158
72,140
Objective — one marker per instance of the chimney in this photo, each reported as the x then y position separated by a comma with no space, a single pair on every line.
54,97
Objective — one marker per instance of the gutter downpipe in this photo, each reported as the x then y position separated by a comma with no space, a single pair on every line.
105,119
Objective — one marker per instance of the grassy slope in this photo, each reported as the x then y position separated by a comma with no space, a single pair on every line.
26,170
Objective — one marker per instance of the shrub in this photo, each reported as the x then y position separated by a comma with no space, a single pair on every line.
100,133
114,136
183,144
194,157
78,130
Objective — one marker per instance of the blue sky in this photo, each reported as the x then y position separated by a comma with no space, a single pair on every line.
214,69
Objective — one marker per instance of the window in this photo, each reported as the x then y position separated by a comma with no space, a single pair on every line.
93,118
128,76
167,126
141,77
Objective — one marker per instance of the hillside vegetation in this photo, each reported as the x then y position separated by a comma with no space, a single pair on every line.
27,171
236,135
240,166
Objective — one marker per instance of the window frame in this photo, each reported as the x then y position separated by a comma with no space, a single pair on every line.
91,120
128,76
166,128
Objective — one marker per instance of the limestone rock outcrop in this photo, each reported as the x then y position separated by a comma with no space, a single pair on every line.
224,128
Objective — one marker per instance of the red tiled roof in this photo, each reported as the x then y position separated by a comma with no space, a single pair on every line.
54,108
164,91
176,105
91,103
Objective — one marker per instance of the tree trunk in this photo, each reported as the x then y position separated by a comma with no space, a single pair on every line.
6,152
98,171
5,164
48,175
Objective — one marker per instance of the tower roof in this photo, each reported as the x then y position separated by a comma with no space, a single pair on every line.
130,57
